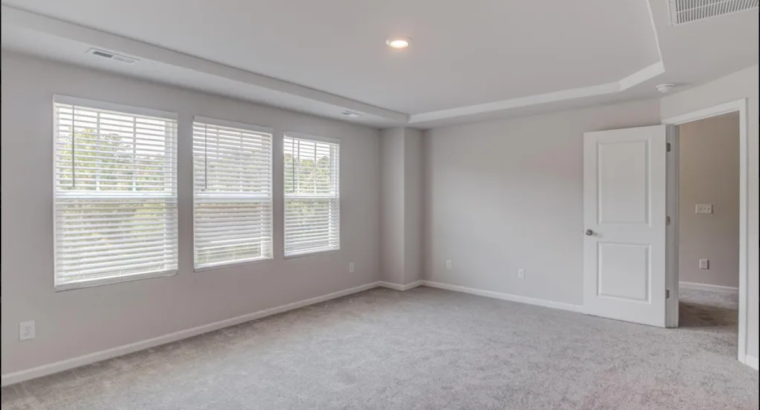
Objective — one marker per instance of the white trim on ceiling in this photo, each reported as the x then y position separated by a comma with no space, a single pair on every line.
621,85
575,93
140,50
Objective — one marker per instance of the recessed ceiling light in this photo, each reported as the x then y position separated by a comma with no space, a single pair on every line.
398,42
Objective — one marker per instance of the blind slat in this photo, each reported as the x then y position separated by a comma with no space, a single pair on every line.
312,195
232,192
115,194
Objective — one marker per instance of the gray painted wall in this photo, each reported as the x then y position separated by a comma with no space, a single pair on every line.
413,205
709,174
508,195
392,196
401,230
742,84
492,197
78,322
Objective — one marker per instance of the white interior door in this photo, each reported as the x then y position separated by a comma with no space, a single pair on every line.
625,223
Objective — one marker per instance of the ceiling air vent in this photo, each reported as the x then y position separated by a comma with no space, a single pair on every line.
111,56
351,114
687,11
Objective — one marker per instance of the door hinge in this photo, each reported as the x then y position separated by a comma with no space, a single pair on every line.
669,147
667,220
667,293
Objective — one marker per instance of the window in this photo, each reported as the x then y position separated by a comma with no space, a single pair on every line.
312,198
115,194
232,168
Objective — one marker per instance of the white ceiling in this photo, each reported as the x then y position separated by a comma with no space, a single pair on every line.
468,60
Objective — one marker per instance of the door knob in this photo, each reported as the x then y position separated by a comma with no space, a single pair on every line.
589,232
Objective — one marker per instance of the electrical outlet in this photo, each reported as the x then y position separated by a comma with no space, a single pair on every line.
351,267
26,330
521,274
448,264
704,264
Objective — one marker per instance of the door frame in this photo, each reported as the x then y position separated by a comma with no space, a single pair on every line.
672,231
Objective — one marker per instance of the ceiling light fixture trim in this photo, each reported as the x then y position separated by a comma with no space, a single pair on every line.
399,42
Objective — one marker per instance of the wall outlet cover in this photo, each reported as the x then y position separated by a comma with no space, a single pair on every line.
704,209
26,330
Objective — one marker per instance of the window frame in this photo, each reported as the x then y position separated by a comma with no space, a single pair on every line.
318,251
245,127
128,110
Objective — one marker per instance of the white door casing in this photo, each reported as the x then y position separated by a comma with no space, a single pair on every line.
739,106
625,223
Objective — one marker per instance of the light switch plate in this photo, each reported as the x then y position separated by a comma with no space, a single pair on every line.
704,209
704,264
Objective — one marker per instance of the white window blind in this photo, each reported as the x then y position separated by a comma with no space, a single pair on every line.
115,199
232,166
312,195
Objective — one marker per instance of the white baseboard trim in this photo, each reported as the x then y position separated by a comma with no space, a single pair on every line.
751,361
505,296
390,285
396,286
48,369
709,288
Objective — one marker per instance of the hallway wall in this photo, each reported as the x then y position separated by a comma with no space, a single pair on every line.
709,174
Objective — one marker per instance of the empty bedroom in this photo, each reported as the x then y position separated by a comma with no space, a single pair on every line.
374,204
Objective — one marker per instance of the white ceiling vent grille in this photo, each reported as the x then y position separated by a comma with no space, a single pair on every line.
111,56
687,11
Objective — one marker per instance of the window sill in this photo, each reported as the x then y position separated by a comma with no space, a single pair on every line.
311,253
232,265
112,280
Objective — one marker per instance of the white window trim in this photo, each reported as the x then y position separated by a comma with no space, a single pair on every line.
233,124
128,109
113,280
232,264
102,105
311,252
316,251
305,136
249,127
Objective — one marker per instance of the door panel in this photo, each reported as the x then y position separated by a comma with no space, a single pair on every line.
619,273
624,214
623,164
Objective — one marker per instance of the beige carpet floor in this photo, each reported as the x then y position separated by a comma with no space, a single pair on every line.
423,349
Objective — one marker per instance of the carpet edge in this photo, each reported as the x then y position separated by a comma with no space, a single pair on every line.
505,296
74,362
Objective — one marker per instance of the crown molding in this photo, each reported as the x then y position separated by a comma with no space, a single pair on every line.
140,50
499,106
621,85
